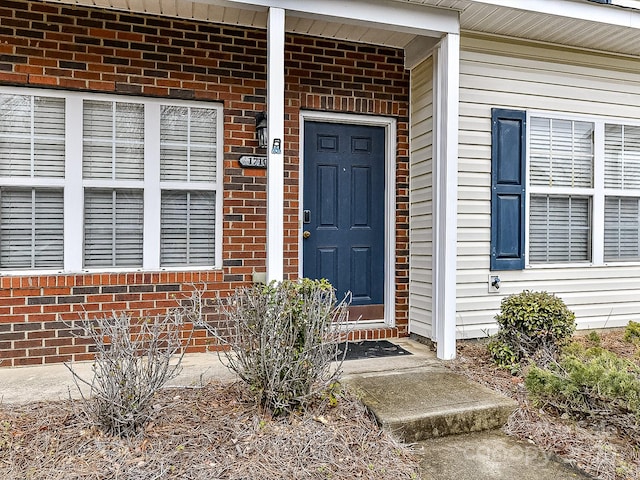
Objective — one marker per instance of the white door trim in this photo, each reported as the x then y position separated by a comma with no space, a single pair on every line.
390,127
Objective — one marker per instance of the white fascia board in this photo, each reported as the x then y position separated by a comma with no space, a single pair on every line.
581,10
627,3
403,17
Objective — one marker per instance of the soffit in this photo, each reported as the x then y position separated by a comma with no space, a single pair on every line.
513,22
475,16
247,17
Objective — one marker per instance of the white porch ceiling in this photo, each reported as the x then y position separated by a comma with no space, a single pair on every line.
494,18
483,16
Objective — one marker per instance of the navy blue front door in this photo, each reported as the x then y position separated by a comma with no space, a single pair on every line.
343,211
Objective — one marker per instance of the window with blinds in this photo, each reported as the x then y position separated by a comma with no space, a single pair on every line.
188,154
113,226
31,228
561,184
113,150
187,144
97,181
187,228
32,150
621,229
561,153
559,229
621,177
113,140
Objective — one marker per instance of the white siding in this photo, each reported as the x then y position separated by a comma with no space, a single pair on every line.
420,208
500,73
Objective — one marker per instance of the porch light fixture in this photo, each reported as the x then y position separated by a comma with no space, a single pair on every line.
261,130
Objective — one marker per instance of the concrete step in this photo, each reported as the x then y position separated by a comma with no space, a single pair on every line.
422,403
489,456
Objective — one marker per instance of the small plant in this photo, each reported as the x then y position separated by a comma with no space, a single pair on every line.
134,359
533,325
283,338
632,332
594,339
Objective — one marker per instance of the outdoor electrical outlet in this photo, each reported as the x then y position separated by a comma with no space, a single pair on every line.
494,283
259,277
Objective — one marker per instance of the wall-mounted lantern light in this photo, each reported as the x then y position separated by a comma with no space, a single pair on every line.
261,130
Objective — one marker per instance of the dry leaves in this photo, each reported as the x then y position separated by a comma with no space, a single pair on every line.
215,432
598,451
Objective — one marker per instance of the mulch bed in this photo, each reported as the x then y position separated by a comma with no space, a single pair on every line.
595,448
213,432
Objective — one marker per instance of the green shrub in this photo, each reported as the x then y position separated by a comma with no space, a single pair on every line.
632,332
587,383
532,325
283,338
594,339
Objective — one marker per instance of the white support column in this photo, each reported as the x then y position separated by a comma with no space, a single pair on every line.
445,194
275,158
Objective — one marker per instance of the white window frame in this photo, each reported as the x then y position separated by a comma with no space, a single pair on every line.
597,193
74,184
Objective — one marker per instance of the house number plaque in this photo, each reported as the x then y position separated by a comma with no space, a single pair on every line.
252,161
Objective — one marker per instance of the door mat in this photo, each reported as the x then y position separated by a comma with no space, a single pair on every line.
371,349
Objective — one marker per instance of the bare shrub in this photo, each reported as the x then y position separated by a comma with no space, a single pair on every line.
134,359
282,339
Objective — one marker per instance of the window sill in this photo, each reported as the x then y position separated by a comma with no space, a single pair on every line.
40,273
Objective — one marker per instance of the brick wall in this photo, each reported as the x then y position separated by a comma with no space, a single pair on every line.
74,48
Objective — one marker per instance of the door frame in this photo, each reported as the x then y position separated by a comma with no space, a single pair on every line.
390,127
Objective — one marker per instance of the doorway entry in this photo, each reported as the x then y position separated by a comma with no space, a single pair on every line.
343,212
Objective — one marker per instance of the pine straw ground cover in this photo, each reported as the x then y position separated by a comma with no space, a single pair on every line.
595,447
213,432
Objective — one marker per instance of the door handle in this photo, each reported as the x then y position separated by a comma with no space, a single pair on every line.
306,216
306,234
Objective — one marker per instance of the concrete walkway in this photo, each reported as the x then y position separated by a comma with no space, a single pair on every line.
415,397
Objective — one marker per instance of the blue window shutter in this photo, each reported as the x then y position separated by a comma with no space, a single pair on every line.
508,179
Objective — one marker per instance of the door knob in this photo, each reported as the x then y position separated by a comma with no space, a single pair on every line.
306,234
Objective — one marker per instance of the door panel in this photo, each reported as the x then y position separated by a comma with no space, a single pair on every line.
344,193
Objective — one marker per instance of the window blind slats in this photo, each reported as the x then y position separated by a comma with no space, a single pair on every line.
561,153
113,228
622,156
187,228
559,229
621,229
32,143
113,145
188,144
31,228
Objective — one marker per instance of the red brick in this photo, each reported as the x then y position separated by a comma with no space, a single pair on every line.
27,343
21,362
27,309
41,80
41,334
380,87
58,359
72,350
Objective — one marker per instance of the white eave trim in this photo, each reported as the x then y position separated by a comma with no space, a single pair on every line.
583,10
402,17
